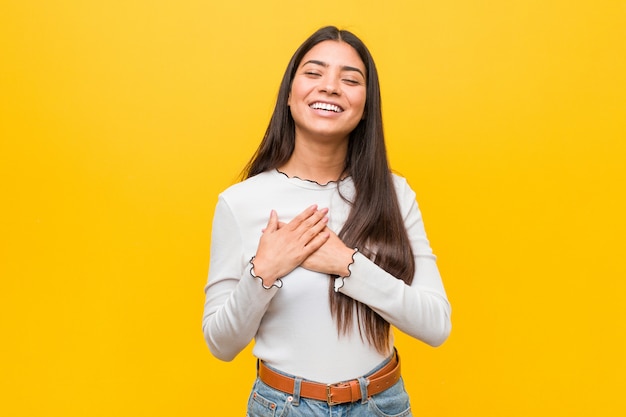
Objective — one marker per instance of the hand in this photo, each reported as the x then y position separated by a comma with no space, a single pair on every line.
281,249
332,258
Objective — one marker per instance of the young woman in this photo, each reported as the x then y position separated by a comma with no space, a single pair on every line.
321,249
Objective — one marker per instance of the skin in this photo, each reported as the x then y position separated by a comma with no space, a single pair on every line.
331,73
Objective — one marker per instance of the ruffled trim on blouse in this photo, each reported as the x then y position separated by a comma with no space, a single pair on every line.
339,281
278,283
331,182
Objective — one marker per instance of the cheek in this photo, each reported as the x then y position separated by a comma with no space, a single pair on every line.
362,103
293,93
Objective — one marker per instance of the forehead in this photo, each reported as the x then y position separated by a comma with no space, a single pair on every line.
334,53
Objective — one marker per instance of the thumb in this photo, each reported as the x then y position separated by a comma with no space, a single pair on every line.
272,223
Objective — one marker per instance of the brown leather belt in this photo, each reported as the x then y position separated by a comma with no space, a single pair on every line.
339,393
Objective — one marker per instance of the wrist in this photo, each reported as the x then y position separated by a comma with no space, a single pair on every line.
268,280
347,259
340,279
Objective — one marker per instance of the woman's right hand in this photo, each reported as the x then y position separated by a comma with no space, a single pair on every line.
282,249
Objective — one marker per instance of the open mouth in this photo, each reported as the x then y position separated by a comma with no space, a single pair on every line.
326,106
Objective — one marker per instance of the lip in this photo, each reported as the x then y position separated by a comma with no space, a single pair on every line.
327,103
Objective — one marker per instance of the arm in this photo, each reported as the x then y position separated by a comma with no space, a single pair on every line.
235,302
237,297
420,310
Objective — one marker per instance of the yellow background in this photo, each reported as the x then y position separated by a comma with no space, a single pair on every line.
120,121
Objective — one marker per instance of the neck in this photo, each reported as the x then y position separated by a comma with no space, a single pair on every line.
319,162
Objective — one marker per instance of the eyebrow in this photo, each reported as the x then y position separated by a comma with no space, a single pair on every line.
344,68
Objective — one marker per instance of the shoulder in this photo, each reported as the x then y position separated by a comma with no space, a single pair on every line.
407,201
249,187
402,187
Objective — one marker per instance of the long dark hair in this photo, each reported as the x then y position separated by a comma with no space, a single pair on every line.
374,224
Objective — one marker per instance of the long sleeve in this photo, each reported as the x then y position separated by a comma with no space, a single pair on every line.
235,302
292,326
421,309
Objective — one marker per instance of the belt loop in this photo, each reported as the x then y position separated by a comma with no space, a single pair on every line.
363,383
296,391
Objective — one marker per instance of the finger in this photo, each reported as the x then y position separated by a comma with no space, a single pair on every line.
316,242
304,215
315,230
280,224
272,223
317,220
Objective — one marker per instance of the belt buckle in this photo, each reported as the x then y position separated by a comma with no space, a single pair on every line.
329,395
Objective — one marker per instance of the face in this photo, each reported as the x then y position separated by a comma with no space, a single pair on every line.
327,97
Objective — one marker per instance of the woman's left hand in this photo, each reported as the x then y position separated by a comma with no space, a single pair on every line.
332,258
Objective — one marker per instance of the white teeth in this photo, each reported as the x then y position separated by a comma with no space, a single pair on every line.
326,106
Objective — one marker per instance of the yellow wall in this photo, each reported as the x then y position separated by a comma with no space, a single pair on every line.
120,121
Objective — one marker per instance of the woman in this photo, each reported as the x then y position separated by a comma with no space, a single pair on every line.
321,249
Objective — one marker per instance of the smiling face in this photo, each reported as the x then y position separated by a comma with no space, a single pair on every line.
328,92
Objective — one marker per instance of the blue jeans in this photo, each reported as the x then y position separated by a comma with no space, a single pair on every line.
266,401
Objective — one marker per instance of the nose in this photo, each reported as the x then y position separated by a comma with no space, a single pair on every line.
330,85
